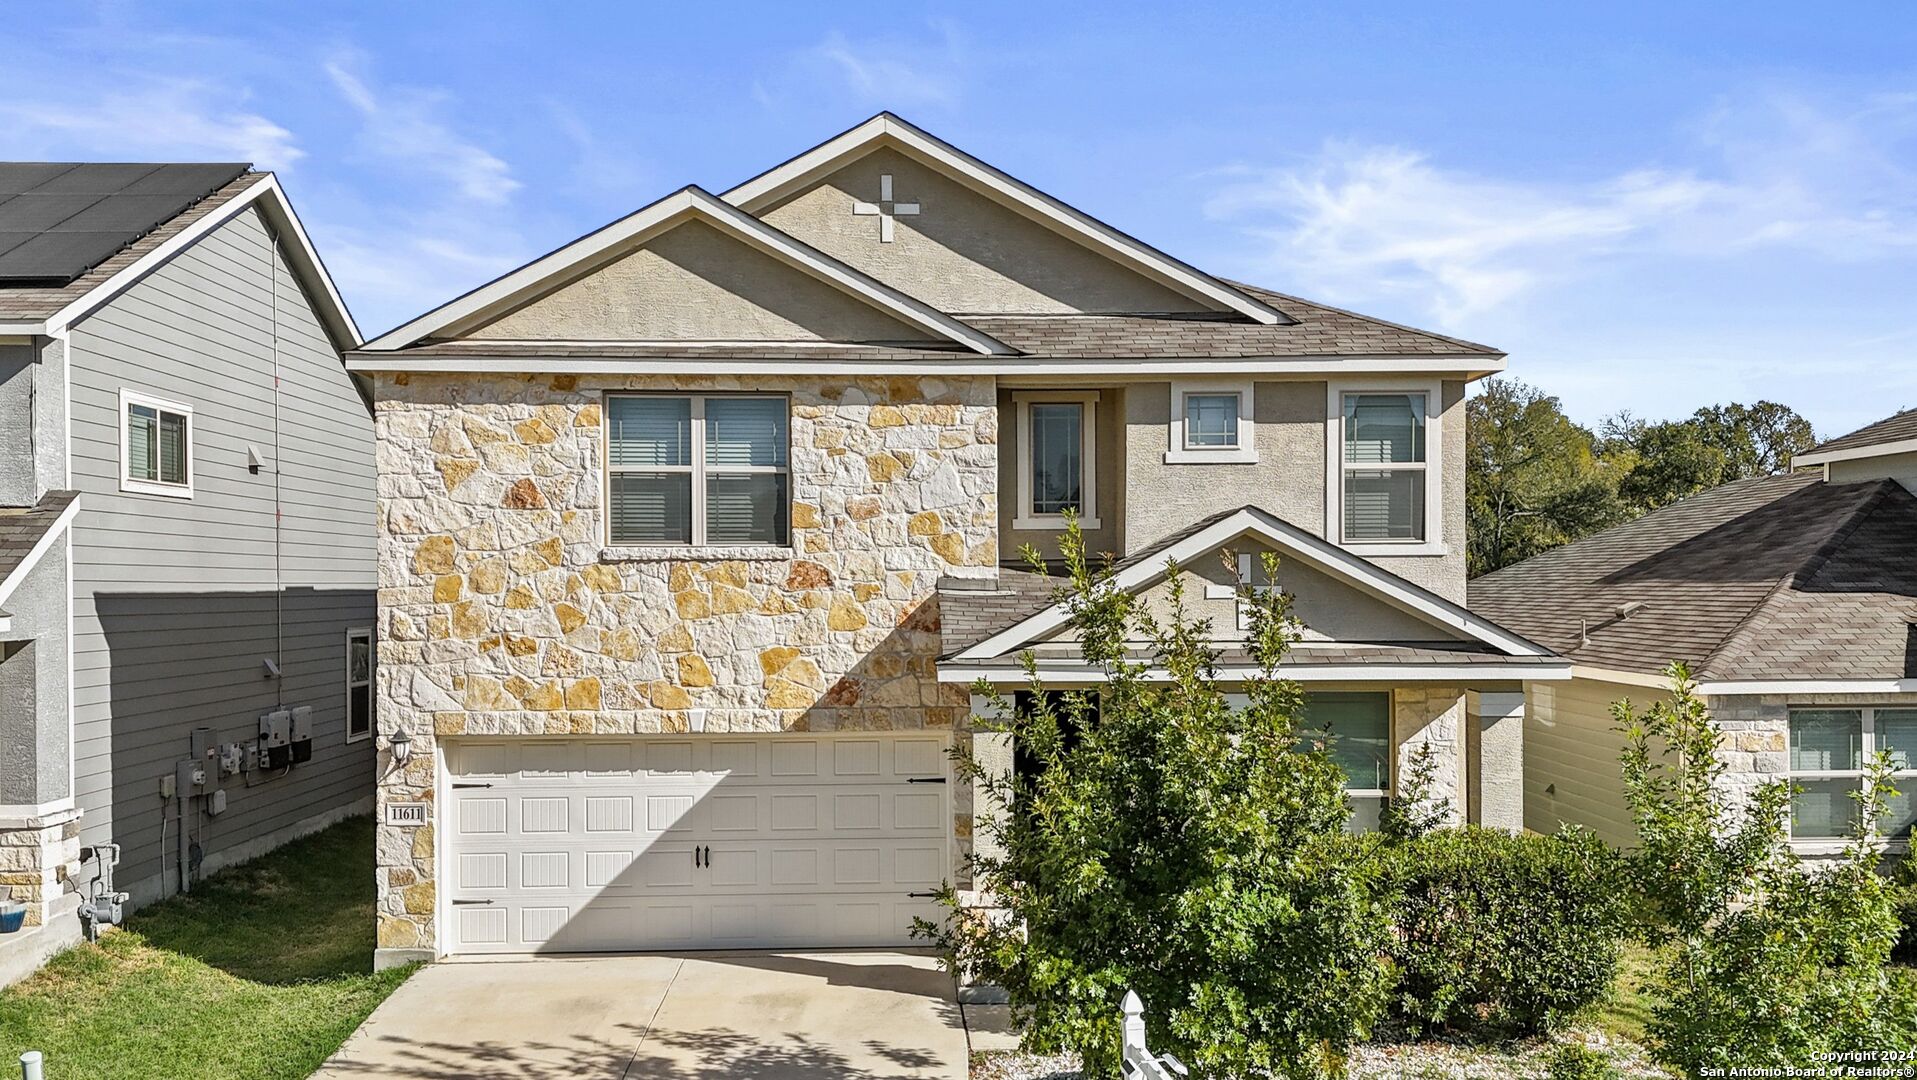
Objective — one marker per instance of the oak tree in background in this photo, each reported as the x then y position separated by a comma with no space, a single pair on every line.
1535,479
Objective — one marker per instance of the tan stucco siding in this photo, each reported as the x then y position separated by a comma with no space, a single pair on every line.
1329,608
694,283
1288,479
1571,746
962,252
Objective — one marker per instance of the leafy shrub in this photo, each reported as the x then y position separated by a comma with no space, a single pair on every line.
1576,1061
1772,965
1503,931
1162,841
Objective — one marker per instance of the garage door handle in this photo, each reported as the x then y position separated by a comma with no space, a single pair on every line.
464,903
925,780
915,895
457,786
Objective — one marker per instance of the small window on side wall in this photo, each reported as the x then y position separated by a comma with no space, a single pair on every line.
359,684
156,446
1211,423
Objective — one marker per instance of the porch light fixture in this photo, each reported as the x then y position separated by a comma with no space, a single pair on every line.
401,744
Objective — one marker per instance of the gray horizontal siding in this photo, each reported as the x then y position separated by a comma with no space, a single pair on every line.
179,600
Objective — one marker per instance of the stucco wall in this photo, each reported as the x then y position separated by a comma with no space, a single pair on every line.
500,613
1290,427
962,252
1325,605
693,283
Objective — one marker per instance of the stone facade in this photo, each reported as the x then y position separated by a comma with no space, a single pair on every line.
504,612
37,861
1432,716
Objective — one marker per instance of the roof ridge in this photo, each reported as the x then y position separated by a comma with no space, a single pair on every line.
1462,342
1747,623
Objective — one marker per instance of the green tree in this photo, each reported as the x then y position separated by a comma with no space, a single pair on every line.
1533,479
1166,842
1770,964
1662,462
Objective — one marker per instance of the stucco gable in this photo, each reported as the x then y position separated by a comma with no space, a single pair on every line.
963,251
696,283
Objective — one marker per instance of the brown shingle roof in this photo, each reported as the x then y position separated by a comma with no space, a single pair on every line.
1785,577
1319,331
22,527
1896,428
32,302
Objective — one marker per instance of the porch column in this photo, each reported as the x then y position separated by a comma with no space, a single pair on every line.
992,750
1497,742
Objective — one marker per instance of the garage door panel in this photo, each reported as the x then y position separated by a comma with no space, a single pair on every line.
727,842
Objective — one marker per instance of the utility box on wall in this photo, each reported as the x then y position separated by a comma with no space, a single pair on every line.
302,733
276,736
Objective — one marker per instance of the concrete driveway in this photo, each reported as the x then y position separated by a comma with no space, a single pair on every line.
853,1015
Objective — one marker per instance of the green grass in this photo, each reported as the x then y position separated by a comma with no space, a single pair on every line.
258,974
1627,1009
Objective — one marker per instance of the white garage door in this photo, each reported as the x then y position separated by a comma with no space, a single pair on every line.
591,845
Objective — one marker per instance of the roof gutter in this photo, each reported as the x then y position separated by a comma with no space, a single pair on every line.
1079,674
1466,368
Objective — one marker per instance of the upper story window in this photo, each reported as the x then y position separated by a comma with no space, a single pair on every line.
1211,422
697,470
1383,471
1829,749
1057,459
156,446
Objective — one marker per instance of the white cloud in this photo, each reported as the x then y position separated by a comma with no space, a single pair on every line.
892,71
402,125
1369,222
169,119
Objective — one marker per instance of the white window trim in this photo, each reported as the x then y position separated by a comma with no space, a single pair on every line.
1832,845
1245,453
698,548
1433,391
1088,453
128,482
372,662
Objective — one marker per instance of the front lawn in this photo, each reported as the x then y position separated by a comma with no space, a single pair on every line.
258,974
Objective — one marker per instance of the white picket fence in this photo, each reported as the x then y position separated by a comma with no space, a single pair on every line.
1137,1061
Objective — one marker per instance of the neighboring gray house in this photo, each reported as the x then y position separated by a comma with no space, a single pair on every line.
186,535
1792,598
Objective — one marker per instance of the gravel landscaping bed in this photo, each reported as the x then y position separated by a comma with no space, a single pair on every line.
1430,1060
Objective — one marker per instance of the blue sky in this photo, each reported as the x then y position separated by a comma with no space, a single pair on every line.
1649,206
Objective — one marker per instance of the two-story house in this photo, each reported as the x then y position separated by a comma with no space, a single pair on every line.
1793,600
696,532
186,537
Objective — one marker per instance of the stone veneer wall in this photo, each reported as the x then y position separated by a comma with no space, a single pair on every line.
1434,716
502,612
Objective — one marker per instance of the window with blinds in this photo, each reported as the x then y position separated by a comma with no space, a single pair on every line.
697,470
1384,467
157,445
1829,752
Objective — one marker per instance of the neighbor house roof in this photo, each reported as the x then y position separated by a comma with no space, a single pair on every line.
50,306
1780,578
25,535
60,219
1893,433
